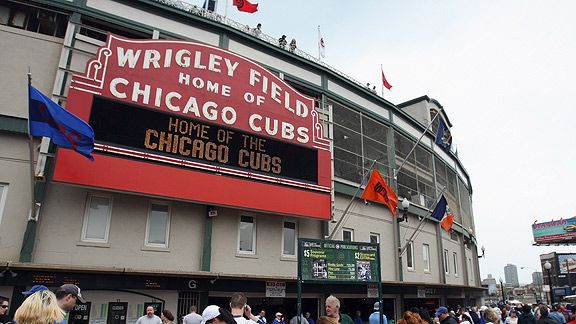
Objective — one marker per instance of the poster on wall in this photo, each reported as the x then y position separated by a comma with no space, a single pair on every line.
186,120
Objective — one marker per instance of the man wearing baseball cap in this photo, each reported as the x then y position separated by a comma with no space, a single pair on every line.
67,296
444,316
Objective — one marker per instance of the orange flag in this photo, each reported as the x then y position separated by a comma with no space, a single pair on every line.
447,222
378,190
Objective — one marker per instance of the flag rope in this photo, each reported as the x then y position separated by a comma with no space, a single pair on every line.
344,214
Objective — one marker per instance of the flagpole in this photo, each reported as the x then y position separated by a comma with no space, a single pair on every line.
415,145
382,85
319,42
412,237
350,203
32,216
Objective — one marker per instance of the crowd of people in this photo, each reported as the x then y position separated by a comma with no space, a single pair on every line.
42,306
494,314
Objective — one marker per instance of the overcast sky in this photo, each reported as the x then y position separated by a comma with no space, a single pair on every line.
503,70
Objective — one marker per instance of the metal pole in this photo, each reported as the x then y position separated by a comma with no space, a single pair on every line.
550,282
32,216
421,223
502,288
331,236
568,275
415,145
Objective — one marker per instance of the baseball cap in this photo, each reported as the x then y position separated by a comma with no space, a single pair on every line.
377,306
441,310
72,290
34,289
278,314
209,313
483,308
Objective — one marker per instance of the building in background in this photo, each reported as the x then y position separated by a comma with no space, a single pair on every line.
561,276
537,278
511,275
145,224
490,283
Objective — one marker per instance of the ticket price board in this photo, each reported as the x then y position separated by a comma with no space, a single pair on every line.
338,261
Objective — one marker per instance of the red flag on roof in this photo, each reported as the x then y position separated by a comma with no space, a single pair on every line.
246,6
385,82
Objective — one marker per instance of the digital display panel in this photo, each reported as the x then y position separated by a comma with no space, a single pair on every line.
322,260
130,126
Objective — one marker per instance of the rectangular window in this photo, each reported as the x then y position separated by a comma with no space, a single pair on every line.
374,238
158,226
426,256
247,235
289,236
455,261
3,193
446,262
347,234
97,219
410,256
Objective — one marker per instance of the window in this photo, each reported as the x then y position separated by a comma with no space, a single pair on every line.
410,256
446,262
97,219
347,234
289,235
3,193
34,19
374,238
158,226
358,141
455,261
247,235
453,236
426,256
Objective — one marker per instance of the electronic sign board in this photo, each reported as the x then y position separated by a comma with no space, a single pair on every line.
560,231
338,261
185,120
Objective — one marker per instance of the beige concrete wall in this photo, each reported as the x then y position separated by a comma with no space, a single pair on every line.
453,246
364,220
268,258
25,49
427,235
15,173
60,230
154,21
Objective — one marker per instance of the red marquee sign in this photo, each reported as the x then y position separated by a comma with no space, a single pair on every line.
185,120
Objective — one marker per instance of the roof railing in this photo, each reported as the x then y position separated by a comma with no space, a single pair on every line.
199,11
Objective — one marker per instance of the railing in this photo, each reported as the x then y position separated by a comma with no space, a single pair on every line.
193,9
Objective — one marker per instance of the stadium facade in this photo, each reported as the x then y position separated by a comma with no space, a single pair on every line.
141,224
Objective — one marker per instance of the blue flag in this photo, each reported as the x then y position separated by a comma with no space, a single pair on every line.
47,118
440,209
443,137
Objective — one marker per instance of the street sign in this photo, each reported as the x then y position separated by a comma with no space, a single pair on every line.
545,288
324,260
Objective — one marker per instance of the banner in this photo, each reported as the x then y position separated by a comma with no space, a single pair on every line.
560,231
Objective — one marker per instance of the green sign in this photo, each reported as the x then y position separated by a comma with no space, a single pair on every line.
321,260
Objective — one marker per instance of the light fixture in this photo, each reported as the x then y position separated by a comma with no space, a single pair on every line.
483,250
8,272
547,265
404,210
